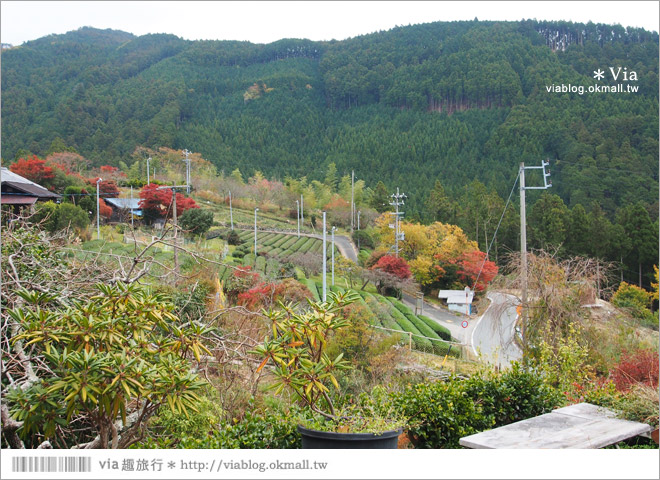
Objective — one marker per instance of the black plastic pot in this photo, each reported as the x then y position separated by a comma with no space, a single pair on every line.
314,439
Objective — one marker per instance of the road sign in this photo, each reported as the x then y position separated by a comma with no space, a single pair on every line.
464,324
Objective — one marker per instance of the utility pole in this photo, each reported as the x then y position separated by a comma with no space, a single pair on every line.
358,227
187,160
255,231
523,255
148,181
397,199
333,255
176,240
325,267
231,214
98,204
131,209
298,216
352,200
175,224
523,241
302,211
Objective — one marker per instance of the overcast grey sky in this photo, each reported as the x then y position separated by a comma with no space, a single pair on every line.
264,22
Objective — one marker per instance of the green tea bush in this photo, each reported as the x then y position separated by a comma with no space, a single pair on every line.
442,332
312,288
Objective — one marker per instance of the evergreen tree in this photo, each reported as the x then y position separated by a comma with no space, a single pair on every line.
380,199
639,229
548,222
331,179
440,206
578,240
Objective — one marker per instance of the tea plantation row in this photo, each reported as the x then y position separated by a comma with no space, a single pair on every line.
388,312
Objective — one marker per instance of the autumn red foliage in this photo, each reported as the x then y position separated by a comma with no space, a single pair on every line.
396,266
108,189
113,173
34,169
472,267
638,367
265,294
104,209
156,202
260,295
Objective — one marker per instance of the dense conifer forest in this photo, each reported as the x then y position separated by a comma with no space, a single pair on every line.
446,111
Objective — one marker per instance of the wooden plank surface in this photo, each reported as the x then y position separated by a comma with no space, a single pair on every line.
577,426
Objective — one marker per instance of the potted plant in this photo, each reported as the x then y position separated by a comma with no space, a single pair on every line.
297,351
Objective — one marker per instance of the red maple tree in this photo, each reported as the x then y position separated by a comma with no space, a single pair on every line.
396,266
473,266
155,202
108,189
34,169
104,209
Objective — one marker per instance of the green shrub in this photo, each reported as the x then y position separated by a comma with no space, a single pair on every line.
204,421
233,238
439,414
57,217
636,301
443,332
364,238
256,430
260,264
196,221
512,395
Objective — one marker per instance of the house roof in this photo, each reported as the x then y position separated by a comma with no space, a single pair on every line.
9,199
461,299
12,181
457,296
132,204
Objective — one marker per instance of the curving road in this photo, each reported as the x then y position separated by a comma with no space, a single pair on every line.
493,335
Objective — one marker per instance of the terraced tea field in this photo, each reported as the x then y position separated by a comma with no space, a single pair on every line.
388,312
282,245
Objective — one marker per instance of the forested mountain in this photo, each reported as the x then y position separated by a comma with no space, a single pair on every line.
452,102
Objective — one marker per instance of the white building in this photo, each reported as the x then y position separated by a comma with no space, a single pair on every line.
458,300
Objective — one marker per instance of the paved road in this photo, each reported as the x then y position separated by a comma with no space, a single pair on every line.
493,334
442,316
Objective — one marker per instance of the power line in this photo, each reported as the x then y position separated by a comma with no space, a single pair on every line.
492,240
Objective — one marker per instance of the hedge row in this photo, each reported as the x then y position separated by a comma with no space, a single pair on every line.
443,332
312,288
260,264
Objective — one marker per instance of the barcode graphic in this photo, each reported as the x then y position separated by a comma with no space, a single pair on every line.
51,464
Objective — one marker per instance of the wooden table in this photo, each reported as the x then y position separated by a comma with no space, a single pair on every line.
577,426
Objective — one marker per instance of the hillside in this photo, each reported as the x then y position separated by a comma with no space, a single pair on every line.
454,101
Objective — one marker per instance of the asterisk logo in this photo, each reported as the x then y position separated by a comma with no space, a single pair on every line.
171,464
599,74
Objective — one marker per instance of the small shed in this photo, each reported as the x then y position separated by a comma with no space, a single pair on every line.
458,300
124,207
